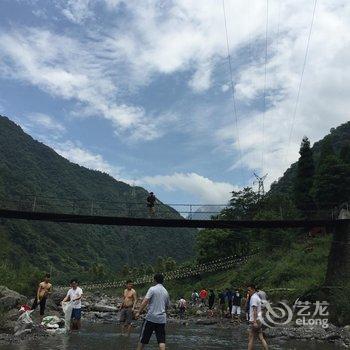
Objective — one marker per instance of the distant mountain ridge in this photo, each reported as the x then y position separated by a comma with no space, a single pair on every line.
30,167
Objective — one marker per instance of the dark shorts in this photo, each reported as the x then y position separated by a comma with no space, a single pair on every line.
147,330
42,305
76,314
126,315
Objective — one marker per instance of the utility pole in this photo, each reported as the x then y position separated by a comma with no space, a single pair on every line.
260,182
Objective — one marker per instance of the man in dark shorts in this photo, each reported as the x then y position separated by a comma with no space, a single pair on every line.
255,319
44,290
151,201
128,307
157,299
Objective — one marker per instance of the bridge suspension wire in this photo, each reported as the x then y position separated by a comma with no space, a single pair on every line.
301,79
180,273
265,87
233,93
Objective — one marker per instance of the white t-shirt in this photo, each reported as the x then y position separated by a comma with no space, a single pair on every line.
254,301
73,294
182,303
158,302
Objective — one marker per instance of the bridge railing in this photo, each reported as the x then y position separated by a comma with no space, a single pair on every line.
41,203
110,208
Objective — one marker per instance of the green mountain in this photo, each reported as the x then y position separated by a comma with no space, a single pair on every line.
29,168
338,137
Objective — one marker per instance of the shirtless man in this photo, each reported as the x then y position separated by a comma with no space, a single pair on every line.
128,307
44,290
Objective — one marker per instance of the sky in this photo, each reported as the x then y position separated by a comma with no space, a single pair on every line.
143,90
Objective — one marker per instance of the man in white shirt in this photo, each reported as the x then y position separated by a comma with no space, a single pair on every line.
255,319
157,299
74,295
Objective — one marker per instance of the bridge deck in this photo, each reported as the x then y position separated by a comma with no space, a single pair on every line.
127,221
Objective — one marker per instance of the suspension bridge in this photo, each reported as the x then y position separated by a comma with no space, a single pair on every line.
97,212
339,260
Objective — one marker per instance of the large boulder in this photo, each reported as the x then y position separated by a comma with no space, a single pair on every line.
99,307
9,299
58,295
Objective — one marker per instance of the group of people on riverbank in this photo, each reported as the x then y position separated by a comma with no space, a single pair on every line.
157,302
229,302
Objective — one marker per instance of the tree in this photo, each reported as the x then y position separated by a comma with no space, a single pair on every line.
126,270
345,153
149,270
332,182
332,179
160,264
98,271
170,264
212,244
304,178
243,205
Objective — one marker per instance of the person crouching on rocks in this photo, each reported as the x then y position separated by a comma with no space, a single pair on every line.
74,295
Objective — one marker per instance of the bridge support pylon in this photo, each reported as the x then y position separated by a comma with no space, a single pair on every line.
337,282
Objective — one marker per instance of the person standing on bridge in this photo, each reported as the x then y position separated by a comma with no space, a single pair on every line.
75,295
151,202
157,299
128,307
255,319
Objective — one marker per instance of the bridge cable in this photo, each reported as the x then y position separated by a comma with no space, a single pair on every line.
301,79
234,104
265,85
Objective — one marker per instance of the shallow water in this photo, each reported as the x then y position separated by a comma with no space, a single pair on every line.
108,337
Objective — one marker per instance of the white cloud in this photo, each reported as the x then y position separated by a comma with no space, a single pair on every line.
46,122
98,69
225,87
77,11
80,155
66,68
322,100
203,188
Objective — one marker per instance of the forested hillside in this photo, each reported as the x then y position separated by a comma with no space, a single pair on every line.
313,188
28,167
338,138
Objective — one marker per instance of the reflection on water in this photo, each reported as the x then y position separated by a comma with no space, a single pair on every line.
108,337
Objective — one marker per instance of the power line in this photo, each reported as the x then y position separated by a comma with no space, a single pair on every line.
233,90
265,84
301,77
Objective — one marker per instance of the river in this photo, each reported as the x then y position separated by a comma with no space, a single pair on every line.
96,336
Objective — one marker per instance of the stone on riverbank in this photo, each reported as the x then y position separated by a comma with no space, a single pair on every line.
9,299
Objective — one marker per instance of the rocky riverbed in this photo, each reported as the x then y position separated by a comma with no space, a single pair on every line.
102,309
